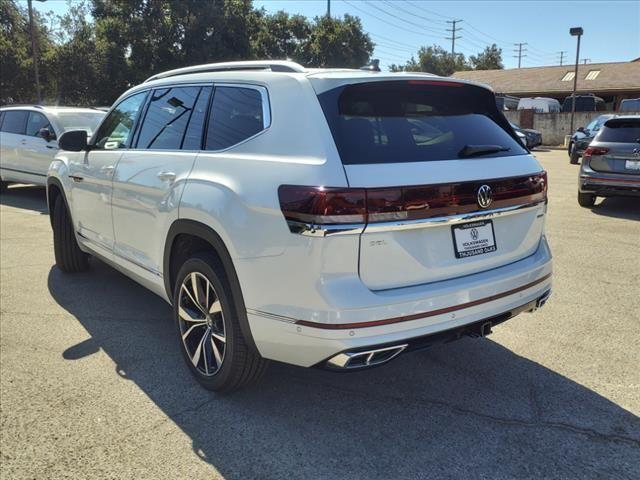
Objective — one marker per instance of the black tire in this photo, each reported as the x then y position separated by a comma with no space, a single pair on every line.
69,257
240,365
587,200
574,158
3,186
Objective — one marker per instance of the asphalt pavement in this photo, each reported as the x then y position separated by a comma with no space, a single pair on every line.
92,384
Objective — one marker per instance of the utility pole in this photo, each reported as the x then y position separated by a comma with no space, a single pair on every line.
328,8
34,51
520,52
585,61
453,37
562,54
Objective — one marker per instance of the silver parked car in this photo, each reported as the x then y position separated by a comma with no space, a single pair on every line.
611,163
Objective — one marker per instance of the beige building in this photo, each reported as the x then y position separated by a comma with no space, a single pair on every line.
610,81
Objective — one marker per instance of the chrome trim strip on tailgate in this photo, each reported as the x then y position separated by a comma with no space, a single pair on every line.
311,230
452,219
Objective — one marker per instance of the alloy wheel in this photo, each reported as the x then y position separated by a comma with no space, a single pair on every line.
201,321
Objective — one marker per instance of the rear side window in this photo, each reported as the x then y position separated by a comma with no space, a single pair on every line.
35,122
14,121
237,114
414,121
168,115
620,131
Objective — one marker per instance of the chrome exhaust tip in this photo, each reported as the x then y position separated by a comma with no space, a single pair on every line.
364,359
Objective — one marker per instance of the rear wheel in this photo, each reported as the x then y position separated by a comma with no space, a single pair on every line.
210,337
586,199
69,257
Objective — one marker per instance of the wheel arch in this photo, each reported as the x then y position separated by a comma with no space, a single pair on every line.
202,237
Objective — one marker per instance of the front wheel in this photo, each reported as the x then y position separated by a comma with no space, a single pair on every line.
210,337
587,200
69,257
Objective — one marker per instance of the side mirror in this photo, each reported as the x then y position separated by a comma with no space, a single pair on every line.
73,141
47,134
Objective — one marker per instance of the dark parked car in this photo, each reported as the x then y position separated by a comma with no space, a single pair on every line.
533,137
583,136
584,103
611,163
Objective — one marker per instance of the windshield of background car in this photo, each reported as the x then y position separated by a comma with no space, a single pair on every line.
414,121
88,121
620,131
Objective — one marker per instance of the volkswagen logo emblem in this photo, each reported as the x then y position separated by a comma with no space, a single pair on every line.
485,196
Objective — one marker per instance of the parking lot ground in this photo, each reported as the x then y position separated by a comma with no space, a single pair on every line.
92,384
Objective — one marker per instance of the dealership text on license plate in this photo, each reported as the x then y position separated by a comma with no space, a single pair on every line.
473,238
632,165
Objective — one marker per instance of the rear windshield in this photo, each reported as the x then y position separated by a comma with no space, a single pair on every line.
415,121
620,131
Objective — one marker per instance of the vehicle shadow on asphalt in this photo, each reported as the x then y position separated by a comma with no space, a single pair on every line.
25,197
465,410
619,207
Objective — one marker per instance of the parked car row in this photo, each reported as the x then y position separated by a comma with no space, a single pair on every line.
585,102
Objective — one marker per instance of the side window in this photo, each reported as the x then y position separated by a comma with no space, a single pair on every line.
35,122
193,136
14,121
1,118
116,129
165,123
236,114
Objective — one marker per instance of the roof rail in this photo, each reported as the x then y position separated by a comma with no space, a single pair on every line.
273,65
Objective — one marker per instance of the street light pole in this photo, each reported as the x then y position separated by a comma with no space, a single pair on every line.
34,51
576,32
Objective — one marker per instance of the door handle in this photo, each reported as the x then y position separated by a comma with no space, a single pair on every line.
107,169
167,176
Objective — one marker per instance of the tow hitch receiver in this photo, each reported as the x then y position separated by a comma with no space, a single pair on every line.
480,330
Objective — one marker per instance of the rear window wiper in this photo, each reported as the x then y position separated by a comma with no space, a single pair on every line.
476,150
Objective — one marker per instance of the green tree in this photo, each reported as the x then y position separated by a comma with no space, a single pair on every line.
489,59
434,59
335,42
279,36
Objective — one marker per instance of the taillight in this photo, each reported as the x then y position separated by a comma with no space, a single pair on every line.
323,205
336,206
594,151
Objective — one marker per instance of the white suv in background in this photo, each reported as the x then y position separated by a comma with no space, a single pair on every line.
28,137
318,217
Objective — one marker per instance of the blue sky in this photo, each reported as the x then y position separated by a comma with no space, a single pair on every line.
399,27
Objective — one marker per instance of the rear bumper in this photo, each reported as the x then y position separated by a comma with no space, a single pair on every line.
609,185
407,315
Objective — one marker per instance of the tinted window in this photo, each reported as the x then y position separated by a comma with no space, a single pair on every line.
35,122
14,121
623,131
116,130
193,136
236,114
393,122
165,122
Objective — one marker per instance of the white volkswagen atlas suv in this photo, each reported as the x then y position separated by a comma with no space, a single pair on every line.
28,138
318,217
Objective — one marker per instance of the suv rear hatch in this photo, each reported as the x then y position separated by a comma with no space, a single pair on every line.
430,156
616,148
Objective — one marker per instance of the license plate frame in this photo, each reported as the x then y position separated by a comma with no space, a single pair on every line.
632,164
464,243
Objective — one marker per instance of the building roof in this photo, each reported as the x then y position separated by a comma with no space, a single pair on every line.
611,78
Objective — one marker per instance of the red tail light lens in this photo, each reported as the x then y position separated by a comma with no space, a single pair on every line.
330,206
323,205
594,151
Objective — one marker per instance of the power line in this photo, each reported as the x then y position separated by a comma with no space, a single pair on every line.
409,22
520,52
453,37
395,5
